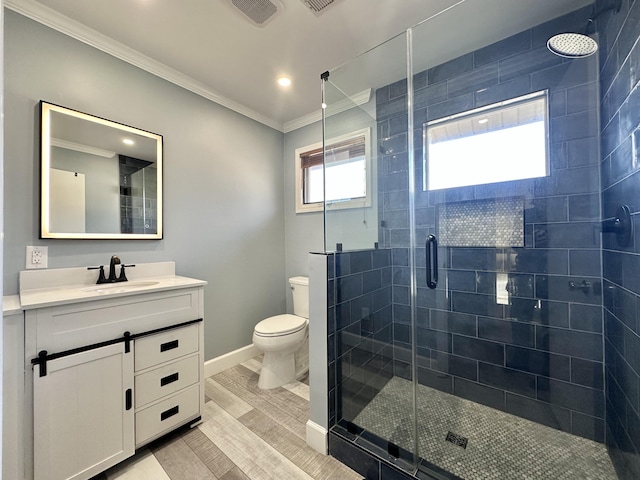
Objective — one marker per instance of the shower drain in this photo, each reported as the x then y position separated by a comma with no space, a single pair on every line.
456,439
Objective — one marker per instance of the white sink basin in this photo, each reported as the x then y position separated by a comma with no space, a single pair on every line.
119,287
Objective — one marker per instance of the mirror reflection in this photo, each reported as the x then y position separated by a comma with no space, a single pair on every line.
99,179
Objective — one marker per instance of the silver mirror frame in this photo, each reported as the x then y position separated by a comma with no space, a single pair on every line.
46,109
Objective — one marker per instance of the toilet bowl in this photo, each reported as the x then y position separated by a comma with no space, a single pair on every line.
284,340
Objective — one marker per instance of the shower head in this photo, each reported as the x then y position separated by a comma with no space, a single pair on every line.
572,45
580,45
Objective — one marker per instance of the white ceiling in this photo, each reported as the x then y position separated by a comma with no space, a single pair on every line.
210,48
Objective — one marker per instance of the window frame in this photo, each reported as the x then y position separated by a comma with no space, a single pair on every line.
359,202
521,99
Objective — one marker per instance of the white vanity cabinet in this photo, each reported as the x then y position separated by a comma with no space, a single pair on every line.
108,374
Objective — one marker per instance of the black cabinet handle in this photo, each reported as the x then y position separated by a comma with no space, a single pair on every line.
128,400
169,413
432,261
169,379
169,346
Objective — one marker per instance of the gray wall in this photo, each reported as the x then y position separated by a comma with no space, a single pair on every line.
223,178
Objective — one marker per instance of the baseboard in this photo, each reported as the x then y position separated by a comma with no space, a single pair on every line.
228,360
317,437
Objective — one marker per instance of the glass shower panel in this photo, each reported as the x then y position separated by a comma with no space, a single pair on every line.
366,101
350,166
508,324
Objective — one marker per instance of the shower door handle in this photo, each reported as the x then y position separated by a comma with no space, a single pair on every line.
432,261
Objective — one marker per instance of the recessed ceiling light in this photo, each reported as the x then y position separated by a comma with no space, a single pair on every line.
483,120
128,141
284,81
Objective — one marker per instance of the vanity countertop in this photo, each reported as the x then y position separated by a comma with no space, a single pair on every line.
11,305
48,288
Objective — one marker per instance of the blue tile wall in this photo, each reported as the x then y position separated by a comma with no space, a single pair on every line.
540,356
620,177
361,321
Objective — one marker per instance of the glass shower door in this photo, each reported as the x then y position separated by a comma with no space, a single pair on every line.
508,310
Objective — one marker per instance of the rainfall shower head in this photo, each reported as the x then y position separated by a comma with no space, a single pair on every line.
572,45
580,45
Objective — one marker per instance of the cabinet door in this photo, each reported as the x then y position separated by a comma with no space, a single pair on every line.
83,415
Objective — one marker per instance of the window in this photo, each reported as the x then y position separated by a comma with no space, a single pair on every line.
501,142
347,174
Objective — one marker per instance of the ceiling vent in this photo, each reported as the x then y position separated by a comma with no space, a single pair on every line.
318,6
259,12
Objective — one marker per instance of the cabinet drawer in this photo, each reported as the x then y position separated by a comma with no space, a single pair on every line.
166,380
165,346
66,327
169,413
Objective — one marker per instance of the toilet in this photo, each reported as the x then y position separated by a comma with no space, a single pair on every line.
284,340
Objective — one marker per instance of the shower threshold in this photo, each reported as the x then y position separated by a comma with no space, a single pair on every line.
476,442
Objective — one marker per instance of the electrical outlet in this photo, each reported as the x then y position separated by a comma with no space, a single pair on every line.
37,257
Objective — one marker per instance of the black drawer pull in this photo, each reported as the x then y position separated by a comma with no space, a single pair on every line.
169,413
169,379
169,346
128,399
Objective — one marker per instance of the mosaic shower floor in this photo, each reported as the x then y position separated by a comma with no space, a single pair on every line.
500,446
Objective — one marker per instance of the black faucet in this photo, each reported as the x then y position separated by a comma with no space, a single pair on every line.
115,260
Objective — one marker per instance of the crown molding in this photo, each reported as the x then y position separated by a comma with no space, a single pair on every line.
63,24
303,121
343,105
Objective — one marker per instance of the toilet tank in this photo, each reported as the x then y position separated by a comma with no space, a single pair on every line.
300,291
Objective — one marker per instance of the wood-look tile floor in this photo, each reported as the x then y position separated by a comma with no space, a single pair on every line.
246,433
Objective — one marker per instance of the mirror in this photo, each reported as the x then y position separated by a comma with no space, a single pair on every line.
99,179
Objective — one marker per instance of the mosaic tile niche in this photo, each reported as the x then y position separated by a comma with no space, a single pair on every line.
497,222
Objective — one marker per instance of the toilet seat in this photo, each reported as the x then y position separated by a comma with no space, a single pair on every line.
280,325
